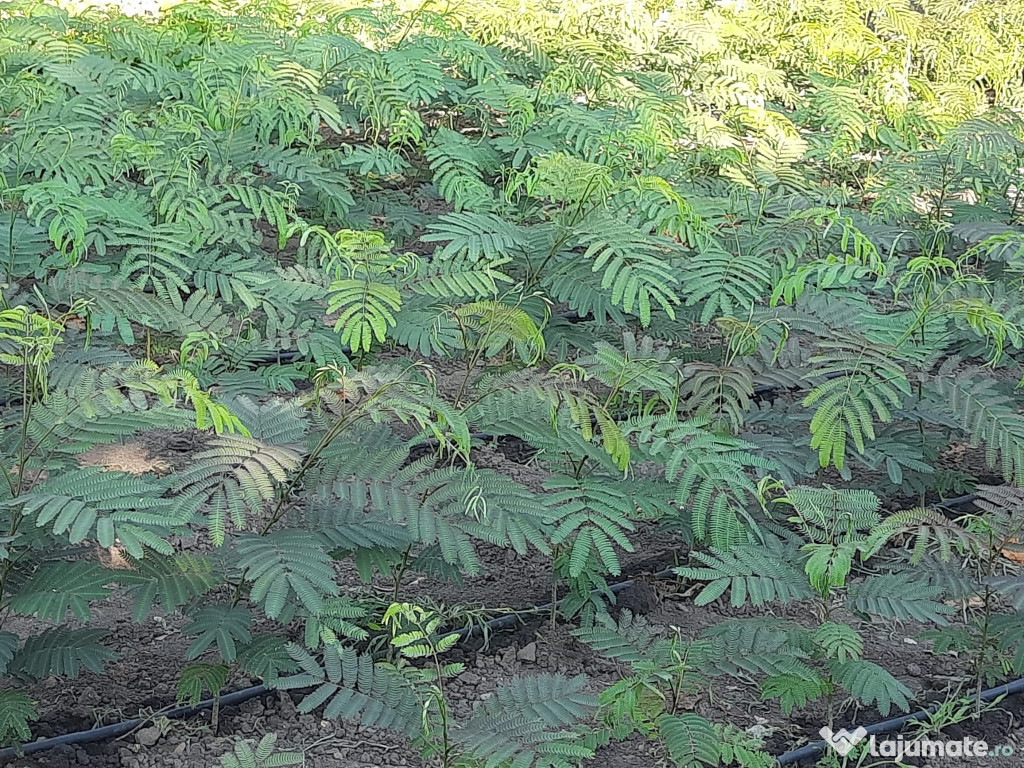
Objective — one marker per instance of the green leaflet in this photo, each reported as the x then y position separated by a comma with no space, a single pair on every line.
385,291
286,567
17,710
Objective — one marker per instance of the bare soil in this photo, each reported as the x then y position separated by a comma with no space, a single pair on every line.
143,678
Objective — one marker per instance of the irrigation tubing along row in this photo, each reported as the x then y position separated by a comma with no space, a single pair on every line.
813,749
117,730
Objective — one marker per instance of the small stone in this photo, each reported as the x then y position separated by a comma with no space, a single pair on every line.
528,653
148,737
470,678
58,758
283,705
914,670
251,707
916,686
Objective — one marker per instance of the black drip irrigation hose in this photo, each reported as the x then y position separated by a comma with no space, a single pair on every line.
959,501
116,730
890,726
511,619
799,755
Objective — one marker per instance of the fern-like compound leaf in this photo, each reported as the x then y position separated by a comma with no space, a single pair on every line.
57,588
104,505
260,754
354,687
872,684
62,651
899,596
173,581
530,721
794,691
839,641
222,624
198,677
17,710
690,739
266,656
283,566
231,480
748,572
595,515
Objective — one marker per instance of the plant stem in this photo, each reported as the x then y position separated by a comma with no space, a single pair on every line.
554,588
982,657
400,573
442,709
